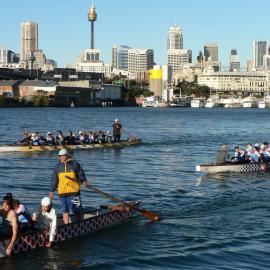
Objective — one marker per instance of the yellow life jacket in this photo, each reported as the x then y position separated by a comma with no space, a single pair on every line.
68,182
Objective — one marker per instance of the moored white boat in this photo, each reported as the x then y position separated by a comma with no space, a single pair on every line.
181,102
212,102
198,102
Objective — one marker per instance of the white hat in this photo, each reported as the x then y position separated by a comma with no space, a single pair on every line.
63,152
116,120
46,201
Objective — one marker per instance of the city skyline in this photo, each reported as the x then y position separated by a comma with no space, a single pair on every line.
64,30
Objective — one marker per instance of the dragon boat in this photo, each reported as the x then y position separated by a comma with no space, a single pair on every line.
43,148
93,220
233,167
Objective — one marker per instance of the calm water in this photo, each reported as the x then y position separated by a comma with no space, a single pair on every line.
208,222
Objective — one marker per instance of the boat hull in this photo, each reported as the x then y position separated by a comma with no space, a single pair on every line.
99,220
232,167
44,148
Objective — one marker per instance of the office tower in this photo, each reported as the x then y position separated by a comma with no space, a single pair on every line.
29,39
200,58
250,65
175,38
140,60
3,56
211,51
92,17
260,48
234,63
120,57
177,58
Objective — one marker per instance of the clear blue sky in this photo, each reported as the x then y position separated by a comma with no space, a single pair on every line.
64,30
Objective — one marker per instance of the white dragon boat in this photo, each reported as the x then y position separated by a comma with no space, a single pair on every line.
233,167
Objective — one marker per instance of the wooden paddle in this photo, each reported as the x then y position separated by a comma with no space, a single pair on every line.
148,214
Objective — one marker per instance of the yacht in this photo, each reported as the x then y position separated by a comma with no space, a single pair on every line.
178,101
250,102
154,102
198,102
261,104
212,102
231,102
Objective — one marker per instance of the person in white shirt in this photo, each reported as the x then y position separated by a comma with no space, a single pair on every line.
45,217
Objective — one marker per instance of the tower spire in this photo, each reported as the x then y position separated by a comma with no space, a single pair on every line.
92,17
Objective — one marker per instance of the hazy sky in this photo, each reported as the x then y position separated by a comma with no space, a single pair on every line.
64,30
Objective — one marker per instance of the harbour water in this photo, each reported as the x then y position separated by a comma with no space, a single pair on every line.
208,221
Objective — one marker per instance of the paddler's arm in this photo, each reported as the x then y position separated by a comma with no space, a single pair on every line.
14,223
52,228
81,174
54,183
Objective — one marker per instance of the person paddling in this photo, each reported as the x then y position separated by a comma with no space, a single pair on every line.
67,176
9,221
45,217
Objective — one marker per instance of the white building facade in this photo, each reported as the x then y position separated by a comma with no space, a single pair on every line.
140,60
256,82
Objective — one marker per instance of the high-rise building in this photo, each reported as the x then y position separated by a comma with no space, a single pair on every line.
211,51
29,39
140,60
3,56
177,58
234,63
260,48
120,57
175,38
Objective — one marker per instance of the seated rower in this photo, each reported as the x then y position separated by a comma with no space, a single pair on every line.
9,220
70,138
26,140
60,138
25,221
49,140
45,217
264,153
81,138
253,155
239,155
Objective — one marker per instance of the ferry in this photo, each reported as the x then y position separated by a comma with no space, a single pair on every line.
44,148
198,103
93,220
178,101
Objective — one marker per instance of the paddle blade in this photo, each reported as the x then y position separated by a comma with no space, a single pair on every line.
150,215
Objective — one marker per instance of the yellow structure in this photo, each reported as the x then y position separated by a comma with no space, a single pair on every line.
155,74
155,81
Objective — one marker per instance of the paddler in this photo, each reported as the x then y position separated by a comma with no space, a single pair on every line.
67,176
10,222
45,217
